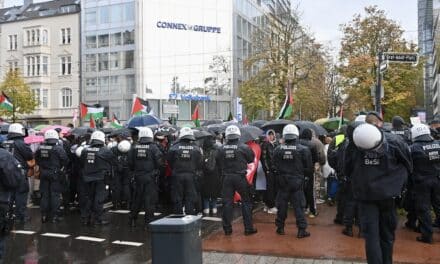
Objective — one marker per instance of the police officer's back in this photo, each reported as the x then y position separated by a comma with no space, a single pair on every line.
52,160
425,153
185,160
234,157
292,161
400,130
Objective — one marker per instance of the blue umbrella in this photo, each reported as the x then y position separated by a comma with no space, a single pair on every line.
144,120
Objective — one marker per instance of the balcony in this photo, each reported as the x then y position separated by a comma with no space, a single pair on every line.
36,49
37,79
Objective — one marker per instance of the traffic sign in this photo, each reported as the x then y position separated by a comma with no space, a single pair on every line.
401,57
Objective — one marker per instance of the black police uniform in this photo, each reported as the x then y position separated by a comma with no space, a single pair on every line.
234,157
52,160
185,160
377,178
10,178
120,184
145,160
23,153
426,158
291,161
97,161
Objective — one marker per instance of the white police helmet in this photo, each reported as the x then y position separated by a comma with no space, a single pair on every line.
419,130
98,135
232,132
51,134
367,137
16,128
78,151
112,144
360,118
290,132
146,132
186,133
124,146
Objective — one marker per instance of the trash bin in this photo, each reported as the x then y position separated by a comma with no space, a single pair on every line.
176,239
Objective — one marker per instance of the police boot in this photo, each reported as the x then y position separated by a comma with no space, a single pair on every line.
348,231
302,233
423,239
249,232
280,231
44,219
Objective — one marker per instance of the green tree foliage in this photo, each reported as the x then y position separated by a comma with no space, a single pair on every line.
364,37
22,97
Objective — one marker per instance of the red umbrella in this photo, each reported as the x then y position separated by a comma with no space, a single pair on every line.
64,129
33,139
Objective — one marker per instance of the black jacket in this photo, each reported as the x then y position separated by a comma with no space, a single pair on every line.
185,157
267,149
425,153
97,162
234,158
293,160
145,160
21,151
378,175
51,158
10,176
211,181
312,147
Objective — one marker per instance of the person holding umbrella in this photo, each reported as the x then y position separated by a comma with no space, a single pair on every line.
268,147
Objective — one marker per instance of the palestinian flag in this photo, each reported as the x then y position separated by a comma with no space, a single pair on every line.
5,102
195,116
96,110
287,109
141,107
92,123
115,122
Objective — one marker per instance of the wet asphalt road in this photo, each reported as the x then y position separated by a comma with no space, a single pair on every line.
35,242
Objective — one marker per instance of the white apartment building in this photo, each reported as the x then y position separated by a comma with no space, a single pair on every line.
42,40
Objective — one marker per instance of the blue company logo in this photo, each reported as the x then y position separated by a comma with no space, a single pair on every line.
181,26
189,97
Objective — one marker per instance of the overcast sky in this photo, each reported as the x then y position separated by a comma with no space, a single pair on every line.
323,17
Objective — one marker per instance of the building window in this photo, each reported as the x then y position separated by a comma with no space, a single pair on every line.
129,37
91,86
131,83
114,60
103,85
115,39
68,8
66,97
91,42
42,95
36,37
66,65
103,61
116,13
104,14
65,36
129,59
91,63
129,11
36,66
44,37
12,45
91,17
103,41
13,65
115,88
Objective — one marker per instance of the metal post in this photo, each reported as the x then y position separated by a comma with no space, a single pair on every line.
378,107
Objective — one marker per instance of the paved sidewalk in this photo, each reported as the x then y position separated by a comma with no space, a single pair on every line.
226,258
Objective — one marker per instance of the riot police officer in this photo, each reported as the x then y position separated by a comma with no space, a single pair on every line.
52,160
145,160
425,153
23,153
10,178
97,162
234,157
120,183
378,165
291,161
185,160
400,130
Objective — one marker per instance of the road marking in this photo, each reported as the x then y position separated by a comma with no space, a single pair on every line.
155,214
108,205
55,235
94,239
24,232
119,211
215,219
127,243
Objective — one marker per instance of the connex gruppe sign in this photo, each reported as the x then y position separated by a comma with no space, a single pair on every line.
188,27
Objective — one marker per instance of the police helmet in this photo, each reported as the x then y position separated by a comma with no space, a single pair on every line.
290,132
99,136
124,146
16,128
51,134
367,137
232,132
186,133
420,130
146,132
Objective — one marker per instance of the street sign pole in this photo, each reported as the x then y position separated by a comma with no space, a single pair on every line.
378,84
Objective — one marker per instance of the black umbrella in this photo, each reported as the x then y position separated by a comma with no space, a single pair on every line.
258,123
107,130
249,133
199,134
216,128
124,132
276,125
319,130
212,122
81,131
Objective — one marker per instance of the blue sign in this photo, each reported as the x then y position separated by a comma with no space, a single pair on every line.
182,26
189,97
